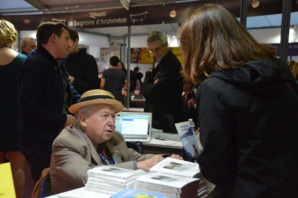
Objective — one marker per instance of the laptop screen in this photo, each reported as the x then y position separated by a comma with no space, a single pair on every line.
134,126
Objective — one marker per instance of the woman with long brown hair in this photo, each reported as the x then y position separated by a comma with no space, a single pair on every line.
247,108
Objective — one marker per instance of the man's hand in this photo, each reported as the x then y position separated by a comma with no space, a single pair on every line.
191,103
176,156
71,78
69,120
147,164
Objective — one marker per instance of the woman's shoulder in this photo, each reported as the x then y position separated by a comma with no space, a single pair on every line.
20,58
9,56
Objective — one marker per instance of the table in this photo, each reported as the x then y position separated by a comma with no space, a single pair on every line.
79,193
163,143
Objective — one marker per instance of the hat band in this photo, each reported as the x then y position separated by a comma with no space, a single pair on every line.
95,97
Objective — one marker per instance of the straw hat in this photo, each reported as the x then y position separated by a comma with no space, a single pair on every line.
96,96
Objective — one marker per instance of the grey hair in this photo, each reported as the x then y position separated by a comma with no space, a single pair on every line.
24,41
87,110
158,36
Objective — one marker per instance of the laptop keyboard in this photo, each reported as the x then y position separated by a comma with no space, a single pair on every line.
136,139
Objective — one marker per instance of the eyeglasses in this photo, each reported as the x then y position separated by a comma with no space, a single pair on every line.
157,50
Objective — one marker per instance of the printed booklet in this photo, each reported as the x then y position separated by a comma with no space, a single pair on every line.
188,139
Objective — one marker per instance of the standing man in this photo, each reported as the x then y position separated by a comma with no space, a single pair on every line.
45,94
163,84
82,67
114,79
27,45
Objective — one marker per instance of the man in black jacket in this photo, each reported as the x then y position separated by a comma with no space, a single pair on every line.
82,67
44,95
163,84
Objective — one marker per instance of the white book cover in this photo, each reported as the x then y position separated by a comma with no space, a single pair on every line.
156,188
100,190
177,167
95,184
113,172
95,187
177,183
188,139
111,181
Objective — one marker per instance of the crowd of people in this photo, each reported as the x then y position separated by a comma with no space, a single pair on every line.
57,113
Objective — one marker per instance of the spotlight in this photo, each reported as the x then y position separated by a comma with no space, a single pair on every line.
255,3
173,13
27,21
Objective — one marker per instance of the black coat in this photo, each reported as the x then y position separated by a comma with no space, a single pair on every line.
83,68
41,101
166,95
248,119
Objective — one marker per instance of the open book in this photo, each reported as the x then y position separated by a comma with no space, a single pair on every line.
171,166
172,177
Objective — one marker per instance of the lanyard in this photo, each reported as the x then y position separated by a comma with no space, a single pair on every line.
103,155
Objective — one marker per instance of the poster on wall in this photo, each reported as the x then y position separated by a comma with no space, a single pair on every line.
177,52
115,50
103,59
141,55
144,56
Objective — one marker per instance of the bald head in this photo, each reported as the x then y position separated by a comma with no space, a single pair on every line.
27,45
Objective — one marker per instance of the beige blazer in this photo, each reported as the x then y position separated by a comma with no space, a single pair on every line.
73,154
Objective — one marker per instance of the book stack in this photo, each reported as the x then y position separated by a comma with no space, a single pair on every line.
171,186
110,180
172,177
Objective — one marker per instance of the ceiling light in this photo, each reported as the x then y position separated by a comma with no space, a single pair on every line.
173,13
255,3
27,21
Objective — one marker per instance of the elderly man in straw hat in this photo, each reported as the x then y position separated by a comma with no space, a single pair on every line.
92,142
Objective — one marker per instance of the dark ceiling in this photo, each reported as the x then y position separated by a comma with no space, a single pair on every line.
266,7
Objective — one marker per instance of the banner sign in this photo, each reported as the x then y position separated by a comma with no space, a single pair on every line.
292,49
142,15
155,14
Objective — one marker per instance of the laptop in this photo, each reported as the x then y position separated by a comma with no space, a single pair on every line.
134,126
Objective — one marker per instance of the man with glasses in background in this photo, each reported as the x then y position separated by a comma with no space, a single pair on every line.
163,84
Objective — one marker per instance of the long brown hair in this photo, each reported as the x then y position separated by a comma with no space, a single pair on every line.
212,38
